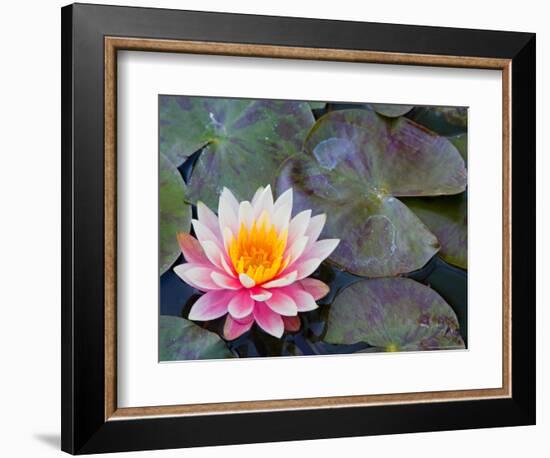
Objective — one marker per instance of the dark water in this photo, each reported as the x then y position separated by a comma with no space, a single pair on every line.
176,298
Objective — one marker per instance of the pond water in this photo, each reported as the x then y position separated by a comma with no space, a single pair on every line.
176,299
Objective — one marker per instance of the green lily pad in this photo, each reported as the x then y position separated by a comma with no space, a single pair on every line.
317,105
391,110
461,143
447,216
354,164
175,213
243,141
393,314
180,339
442,120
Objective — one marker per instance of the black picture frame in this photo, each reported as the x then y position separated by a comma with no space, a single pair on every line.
84,427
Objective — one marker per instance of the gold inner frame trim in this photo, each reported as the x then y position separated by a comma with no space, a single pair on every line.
114,44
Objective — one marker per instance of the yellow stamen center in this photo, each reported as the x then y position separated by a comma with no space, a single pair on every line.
258,251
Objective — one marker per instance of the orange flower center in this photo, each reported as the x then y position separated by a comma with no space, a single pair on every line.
258,251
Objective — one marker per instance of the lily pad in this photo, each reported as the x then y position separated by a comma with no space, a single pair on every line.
243,141
317,105
354,164
393,314
442,120
175,213
391,110
181,339
447,216
461,143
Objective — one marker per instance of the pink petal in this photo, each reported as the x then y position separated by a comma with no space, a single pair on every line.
303,300
225,281
203,233
322,248
191,249
210,306
197,276
235,328
240,305
213,252
228,267
268,320
209,219
298,226
284,280
228,211
282,303
260,294
292,323
246,281
315,287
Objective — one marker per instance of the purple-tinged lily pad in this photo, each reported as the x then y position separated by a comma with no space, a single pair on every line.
243,141
354,164
180,340
442,120
447,216
175,213
393,314
391,110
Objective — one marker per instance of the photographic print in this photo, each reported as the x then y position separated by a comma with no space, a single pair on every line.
296,228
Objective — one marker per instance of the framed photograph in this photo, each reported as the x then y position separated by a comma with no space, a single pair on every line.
270,222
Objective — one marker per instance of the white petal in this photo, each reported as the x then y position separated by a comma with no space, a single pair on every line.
322,248
260,295
196,276
246,214
282,210
298,226
203,233
228,211
284,199
296,250
224,281
213,252
257,195
208,218
264,202
307,267
228,238
282,281
246,281
315,227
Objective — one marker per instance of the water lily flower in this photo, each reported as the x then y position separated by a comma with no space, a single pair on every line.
253,261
